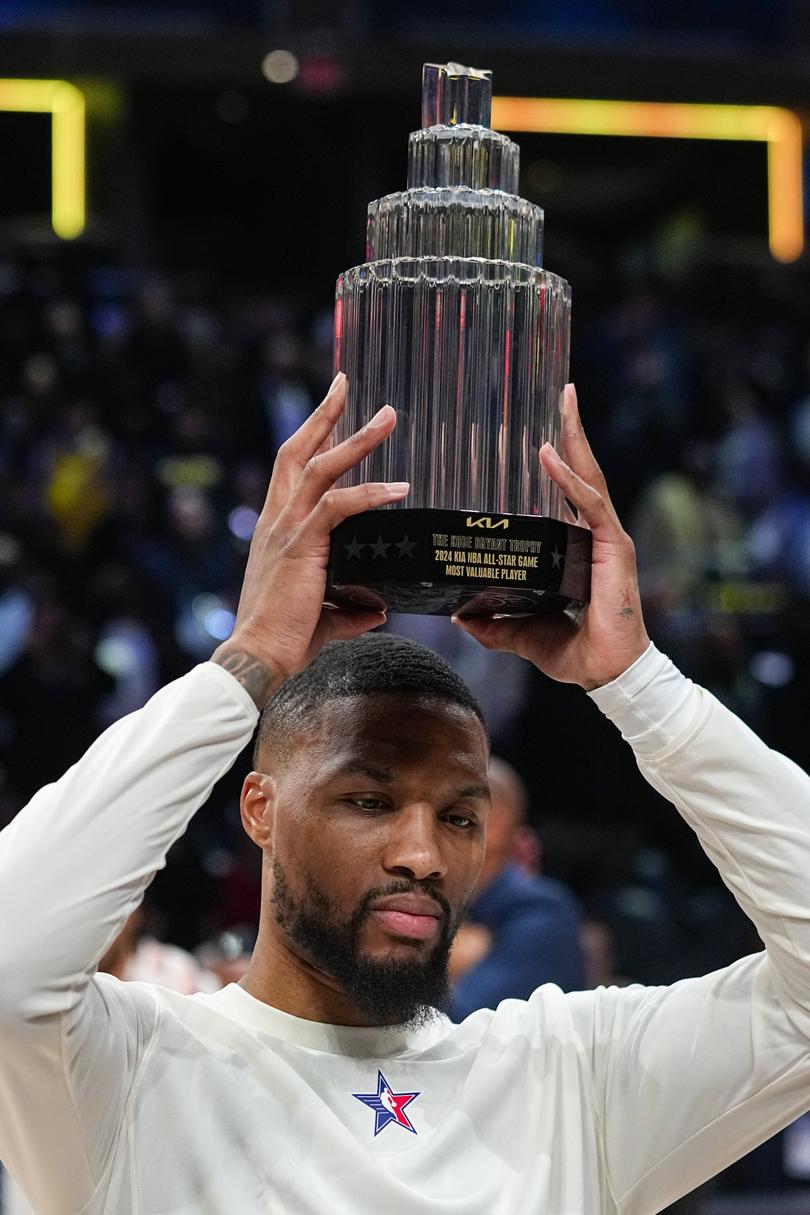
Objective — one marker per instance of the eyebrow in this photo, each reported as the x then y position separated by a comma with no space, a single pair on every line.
385,776
475,791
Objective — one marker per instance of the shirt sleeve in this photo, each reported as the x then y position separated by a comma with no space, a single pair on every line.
688,1078
73,865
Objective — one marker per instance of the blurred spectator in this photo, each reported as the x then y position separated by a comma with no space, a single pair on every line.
55,680
522,929
287,401
500,682
686,534
779,540
748,464
227,955
598,943
137,956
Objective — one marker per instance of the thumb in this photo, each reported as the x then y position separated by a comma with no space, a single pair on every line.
521,635
338,625
491,633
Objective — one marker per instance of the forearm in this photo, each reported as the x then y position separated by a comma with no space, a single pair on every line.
76,861
749,806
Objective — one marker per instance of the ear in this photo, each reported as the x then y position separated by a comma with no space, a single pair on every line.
257,806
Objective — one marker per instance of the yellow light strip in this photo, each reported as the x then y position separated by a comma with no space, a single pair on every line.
65,103
780,129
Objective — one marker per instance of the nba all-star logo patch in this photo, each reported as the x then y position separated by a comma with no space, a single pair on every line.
388,1106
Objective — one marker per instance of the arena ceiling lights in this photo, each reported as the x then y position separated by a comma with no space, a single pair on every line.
65,103
779,129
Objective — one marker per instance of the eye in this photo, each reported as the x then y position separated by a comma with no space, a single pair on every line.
366,803
461,821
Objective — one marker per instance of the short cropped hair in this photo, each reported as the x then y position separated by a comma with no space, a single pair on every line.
373,664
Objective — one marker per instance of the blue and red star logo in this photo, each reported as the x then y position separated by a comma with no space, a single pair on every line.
388,1106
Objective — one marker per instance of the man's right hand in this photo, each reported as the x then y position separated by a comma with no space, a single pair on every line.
281,622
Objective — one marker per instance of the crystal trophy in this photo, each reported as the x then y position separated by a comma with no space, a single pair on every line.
454,322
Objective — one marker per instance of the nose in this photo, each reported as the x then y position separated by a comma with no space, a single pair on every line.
414,848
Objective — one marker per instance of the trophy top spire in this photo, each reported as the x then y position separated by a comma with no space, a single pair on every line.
462,195
456,145
454,95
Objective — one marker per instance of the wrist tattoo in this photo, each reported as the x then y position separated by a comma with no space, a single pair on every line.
258,680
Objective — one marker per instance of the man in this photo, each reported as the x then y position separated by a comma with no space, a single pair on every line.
324,1081
522,930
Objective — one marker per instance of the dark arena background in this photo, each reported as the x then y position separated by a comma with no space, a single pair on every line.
181,184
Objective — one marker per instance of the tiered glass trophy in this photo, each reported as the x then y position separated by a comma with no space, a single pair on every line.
453,321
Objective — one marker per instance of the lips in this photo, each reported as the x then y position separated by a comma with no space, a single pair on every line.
408,915
411,904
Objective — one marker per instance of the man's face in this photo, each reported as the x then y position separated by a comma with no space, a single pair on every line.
378,837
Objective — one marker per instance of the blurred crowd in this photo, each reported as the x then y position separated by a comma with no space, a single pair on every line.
139,418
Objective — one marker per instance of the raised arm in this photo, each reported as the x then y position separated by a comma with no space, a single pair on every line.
685,1078
73,864
76,861
706,1069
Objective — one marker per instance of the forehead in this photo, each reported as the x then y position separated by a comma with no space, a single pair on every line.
397,731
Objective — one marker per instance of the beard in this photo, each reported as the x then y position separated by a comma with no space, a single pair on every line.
388,991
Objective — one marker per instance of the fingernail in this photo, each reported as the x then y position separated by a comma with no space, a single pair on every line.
340,376
397,488
378,419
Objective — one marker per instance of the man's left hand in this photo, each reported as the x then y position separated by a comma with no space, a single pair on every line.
611,635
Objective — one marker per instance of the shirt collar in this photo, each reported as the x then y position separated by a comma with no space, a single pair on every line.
351,1040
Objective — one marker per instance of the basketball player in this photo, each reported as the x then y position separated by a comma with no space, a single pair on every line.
325,1080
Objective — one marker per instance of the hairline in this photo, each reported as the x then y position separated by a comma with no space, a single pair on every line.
296,723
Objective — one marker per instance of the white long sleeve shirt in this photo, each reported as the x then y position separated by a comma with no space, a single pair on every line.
127,1099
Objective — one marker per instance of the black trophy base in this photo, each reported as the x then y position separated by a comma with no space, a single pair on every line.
437,562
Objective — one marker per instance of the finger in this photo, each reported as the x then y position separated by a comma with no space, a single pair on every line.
576,449
594,507
569,515
339,504
323,471
313,436
342,625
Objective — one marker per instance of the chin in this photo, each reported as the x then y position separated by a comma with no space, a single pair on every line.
407,947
